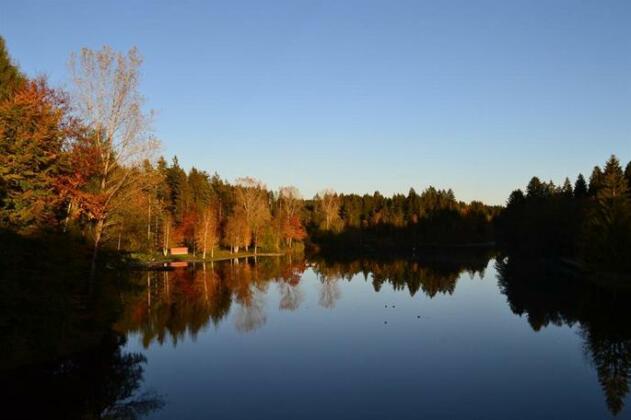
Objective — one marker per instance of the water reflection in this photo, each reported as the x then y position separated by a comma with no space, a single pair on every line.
432,277
547,295
182,302
169,307
99,382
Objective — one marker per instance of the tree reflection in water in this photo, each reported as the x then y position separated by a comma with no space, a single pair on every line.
182,302
548,295
431,276
100,382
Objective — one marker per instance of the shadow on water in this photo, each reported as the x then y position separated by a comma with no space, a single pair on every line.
98,382
547,294
59,357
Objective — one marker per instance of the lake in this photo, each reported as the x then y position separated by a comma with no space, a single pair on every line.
439,339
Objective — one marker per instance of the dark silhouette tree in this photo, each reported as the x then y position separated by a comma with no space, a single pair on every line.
580,187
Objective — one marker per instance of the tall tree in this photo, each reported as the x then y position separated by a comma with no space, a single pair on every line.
595,181
34,128
291,204
107,99
580,187
252,198
237,232
608,238
328,205
566,189
207,231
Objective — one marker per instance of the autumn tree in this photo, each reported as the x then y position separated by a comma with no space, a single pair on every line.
208,230
328,206
290,207
237,232
34,129
252,199
107,99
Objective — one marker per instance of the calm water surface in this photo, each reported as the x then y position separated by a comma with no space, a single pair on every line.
377,340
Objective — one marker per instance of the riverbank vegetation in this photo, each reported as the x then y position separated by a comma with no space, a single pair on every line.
84,164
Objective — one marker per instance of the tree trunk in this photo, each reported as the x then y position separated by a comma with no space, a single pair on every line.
98,232
67,219
149,225
165,245
205,239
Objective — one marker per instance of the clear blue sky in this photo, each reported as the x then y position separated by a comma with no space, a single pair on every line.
363,95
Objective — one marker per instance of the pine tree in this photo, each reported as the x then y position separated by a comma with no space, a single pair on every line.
595,181
614,184
567,188
609,225
580,187
535,188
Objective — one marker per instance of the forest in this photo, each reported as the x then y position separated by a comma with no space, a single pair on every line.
90,210
82,166
587,224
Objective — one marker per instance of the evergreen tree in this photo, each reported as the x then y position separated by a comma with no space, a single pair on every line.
535,188
10,76
180,193
595,181
580,187
567,188
608,236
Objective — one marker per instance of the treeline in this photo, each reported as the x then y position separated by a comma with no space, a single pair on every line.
586,222
204,212
401,224
83,164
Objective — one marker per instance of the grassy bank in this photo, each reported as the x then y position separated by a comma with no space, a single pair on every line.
150,260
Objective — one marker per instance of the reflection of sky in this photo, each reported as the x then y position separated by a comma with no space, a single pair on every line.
468,353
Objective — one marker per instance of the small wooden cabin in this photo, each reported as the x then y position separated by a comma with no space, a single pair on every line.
182,250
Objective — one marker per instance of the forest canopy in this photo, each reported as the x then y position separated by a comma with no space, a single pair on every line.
84,164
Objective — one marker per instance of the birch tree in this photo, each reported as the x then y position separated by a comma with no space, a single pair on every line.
252,199
328,205
107,99
207,231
